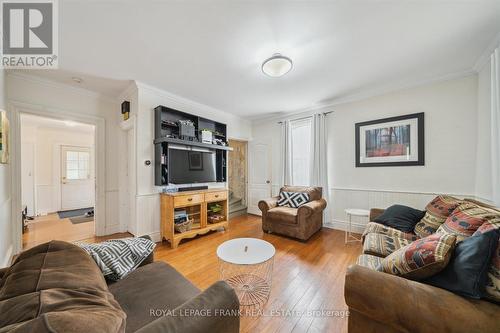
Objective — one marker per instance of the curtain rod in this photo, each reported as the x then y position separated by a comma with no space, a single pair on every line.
305,117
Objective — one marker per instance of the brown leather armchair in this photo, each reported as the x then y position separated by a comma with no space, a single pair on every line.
300,222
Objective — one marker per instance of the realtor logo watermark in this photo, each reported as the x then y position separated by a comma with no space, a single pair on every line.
29,34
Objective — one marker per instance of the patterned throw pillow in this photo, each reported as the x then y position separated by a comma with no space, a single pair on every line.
293,199
493,284
437,211
465,220
420,259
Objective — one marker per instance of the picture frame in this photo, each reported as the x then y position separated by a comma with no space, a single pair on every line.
394,141
195,160
4,138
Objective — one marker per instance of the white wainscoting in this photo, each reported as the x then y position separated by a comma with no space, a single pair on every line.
44,203
148,215
343,198
113,224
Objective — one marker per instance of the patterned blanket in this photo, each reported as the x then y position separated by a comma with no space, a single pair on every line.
118,257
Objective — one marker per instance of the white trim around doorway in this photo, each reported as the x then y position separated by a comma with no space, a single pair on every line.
16,109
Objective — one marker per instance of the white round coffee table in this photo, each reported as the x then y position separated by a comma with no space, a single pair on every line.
246,264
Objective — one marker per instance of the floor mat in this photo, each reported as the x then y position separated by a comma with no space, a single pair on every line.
75,212
81,219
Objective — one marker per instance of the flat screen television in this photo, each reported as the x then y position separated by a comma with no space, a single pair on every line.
188,166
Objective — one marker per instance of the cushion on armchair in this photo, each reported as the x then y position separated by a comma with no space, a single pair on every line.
293,199
437,211
284,214
400,217
420,259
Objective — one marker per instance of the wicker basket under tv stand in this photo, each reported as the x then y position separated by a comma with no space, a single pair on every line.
195,203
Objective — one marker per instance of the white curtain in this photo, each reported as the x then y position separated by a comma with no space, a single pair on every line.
495,124
286,154
319,168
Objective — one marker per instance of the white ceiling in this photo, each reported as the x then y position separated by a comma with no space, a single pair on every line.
211,51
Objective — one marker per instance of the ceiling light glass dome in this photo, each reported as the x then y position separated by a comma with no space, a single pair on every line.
277,65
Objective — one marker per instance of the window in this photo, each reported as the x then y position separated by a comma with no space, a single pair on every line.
300,132
77,165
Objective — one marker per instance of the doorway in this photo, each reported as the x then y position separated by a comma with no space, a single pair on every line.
58,182
238,178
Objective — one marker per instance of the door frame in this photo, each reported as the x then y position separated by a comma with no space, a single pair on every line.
247,142
16,109
34,177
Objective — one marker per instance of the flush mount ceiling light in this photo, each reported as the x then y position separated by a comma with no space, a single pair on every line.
277,65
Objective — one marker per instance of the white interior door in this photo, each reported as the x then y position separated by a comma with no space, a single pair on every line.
28,176
77,178
259,176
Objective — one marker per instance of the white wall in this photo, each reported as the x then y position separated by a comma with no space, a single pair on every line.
56,98
483,153
6,243
147,204
47,143
450,146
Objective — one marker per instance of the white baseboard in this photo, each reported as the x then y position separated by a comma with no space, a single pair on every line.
8,257
155,236
342,225
112,229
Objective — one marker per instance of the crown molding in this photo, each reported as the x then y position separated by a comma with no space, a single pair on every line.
485,56
59,85
364,94
185,102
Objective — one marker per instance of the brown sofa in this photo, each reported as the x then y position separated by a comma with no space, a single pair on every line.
380,302
57,287
300,222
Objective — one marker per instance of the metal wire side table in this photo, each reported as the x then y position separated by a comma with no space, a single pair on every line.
246,264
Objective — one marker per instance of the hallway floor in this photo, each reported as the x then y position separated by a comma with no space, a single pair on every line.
45,228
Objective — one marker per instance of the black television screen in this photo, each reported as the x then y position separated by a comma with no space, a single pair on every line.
187,166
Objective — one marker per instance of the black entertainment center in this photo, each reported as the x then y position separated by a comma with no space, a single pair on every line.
182,154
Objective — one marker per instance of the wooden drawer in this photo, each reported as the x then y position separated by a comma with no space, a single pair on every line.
215,196
187,200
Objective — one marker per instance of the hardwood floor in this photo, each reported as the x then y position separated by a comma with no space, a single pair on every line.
306,277
45,228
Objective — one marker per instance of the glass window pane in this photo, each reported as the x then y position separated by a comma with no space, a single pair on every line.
84,156
83,164
83,174
72,174
71,165
72,156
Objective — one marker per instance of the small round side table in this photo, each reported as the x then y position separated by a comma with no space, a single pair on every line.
246,264
349,237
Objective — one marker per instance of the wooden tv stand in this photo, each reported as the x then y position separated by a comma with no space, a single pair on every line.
195,203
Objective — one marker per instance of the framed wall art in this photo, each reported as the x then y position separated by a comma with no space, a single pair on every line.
4,137
395,141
